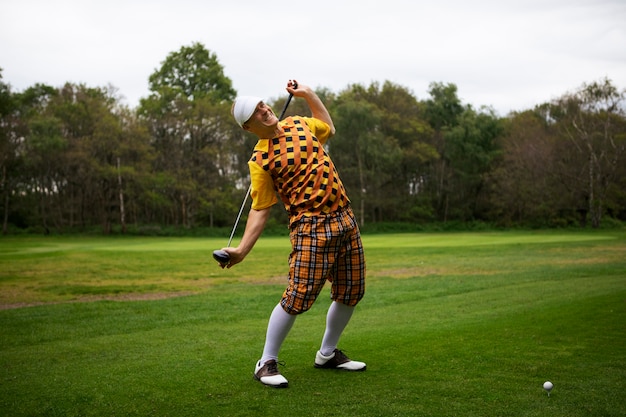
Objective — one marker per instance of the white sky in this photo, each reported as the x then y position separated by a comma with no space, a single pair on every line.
510,55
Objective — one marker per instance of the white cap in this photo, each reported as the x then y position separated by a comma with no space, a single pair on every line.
244,107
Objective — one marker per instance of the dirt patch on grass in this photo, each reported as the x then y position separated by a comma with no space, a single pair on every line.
31,295
108,297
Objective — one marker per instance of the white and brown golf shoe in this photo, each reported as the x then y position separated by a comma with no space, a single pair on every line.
268,374
338,360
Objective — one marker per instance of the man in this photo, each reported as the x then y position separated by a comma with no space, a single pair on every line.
289,160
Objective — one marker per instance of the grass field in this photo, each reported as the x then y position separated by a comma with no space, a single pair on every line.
467,324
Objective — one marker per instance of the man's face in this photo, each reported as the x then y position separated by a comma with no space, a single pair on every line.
263,117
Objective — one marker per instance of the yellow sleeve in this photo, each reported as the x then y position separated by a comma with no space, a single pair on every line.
262,192
318,128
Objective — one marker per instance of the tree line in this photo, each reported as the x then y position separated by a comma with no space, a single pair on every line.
75,158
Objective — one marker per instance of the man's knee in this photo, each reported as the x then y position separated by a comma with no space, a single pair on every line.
295,308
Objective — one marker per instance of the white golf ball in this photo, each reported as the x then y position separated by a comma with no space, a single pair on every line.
548,385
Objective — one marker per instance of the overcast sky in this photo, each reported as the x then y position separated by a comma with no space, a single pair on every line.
510,55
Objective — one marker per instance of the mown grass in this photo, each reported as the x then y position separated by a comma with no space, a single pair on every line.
467,324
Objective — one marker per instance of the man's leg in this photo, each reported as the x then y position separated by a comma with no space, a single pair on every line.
277,330
336,321
348,278
329,356
266,369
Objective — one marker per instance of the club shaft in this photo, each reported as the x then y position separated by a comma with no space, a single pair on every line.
282,114
239,215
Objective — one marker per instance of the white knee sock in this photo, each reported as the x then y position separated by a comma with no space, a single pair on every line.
336,321
277,329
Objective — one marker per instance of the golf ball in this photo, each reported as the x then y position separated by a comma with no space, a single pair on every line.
548,385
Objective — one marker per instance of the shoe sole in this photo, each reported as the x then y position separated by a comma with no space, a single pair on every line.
340,369
283,385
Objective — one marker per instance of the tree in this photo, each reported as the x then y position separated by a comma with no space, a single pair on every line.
381,152
403,127
465,140
24,181
192,73
471,149
444,107
10,139
591,119
80,152
360,145
521,183
188,114
442,112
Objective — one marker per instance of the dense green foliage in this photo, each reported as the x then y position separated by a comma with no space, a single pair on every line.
73,157
463,324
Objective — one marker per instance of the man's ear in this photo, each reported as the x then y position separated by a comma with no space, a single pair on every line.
245,127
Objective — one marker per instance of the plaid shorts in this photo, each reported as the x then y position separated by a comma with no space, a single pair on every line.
326,247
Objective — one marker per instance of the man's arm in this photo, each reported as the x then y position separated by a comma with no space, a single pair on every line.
318,110
254,227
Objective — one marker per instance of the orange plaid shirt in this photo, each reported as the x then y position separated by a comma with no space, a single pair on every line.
296,166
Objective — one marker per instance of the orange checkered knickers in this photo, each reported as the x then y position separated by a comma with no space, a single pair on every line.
325,247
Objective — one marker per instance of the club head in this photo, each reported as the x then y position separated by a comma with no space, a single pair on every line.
221,256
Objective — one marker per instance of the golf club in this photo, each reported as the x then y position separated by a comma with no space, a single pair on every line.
222,256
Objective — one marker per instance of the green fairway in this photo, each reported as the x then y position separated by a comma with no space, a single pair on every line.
465,324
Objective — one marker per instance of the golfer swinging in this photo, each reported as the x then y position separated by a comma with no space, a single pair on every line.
289,160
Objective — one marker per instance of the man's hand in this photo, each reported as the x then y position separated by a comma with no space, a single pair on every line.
254,228
297,90
234,257
318,110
